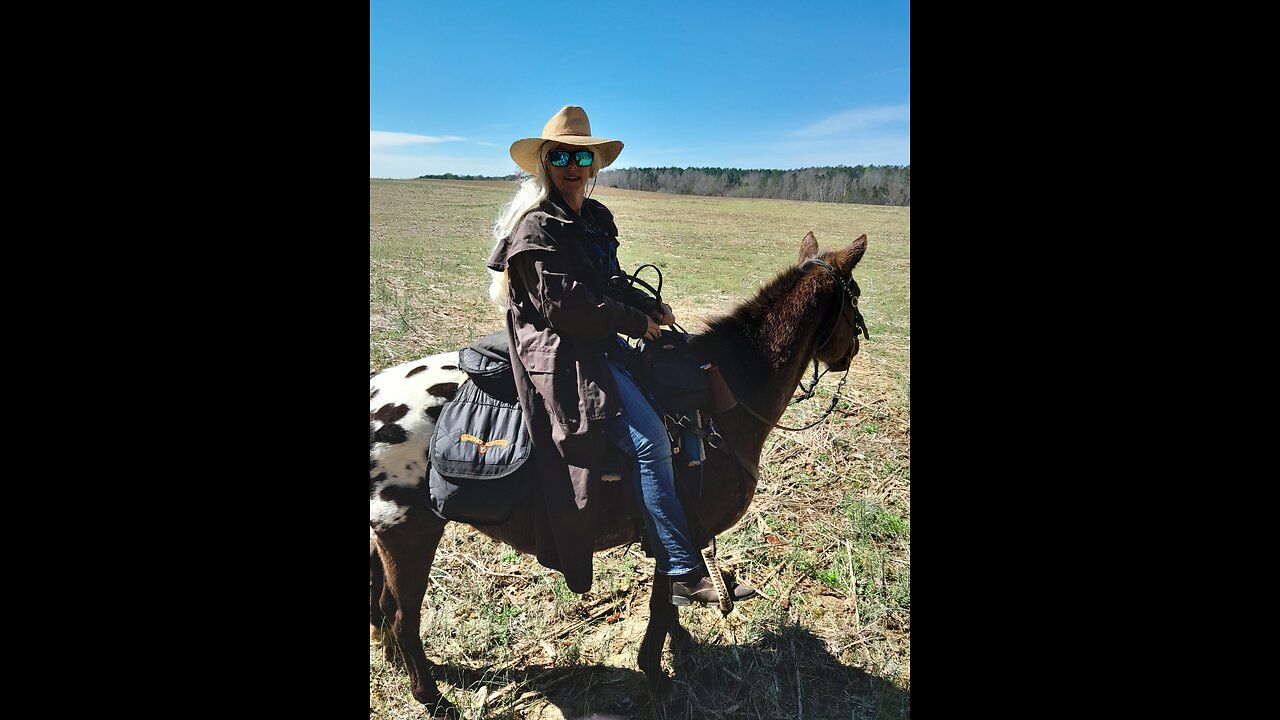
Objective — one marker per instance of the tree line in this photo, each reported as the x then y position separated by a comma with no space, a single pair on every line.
451,176
862,184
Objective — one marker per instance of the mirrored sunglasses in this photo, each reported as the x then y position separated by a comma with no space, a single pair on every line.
560,158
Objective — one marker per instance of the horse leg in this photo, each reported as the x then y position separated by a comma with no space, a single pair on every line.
407,551
376,585
662,619
382,605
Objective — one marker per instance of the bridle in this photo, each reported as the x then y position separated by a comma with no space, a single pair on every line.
858,323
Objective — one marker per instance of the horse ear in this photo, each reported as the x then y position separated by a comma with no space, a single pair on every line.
850,256
808,247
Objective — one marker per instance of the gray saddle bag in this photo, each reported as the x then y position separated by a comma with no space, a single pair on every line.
480,449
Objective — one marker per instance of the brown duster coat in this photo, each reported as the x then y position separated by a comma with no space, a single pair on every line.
562,319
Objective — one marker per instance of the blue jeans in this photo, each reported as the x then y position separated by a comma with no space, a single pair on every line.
639,432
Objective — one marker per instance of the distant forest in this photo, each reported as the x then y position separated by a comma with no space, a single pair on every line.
862,184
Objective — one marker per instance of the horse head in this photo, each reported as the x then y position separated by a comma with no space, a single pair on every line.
841,322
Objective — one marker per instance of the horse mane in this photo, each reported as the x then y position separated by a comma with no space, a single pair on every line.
771,322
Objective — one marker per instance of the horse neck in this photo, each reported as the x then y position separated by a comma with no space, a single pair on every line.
749,352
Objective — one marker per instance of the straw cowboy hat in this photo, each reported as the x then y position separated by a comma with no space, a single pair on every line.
571,127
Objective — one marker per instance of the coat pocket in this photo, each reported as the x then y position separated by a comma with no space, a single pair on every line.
558,387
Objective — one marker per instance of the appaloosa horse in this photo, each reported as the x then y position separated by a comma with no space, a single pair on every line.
762,348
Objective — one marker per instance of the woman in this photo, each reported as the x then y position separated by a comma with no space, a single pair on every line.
553,260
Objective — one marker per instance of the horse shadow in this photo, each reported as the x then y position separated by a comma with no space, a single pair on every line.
786,673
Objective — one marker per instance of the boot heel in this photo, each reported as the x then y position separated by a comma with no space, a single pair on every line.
680,600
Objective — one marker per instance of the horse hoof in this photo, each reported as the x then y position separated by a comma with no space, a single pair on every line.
656,679
375,635
660,688
650,665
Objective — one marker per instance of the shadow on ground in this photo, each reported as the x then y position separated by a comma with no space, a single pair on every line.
784,674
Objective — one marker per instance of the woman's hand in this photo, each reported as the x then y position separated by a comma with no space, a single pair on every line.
664,316
653,332
657,317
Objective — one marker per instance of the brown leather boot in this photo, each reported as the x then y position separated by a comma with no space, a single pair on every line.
704,591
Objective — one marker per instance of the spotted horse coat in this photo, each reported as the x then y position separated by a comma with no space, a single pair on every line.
404,403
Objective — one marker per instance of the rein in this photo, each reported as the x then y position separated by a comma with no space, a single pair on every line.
858,323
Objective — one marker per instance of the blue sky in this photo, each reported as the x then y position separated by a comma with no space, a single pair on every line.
745,84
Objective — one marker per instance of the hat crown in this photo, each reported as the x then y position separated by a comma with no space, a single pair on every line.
571,120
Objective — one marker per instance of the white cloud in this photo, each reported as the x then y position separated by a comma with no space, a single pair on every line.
856,121
379,138
402,155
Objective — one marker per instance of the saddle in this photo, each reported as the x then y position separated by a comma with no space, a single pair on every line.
668,369
480,450
684,389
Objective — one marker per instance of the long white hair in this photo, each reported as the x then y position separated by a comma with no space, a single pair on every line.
532,191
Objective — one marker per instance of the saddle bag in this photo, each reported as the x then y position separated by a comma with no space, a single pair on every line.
673,374
480,447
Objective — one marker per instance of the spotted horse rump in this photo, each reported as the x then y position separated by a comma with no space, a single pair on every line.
404,403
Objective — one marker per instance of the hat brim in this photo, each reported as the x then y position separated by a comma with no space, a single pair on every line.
526,152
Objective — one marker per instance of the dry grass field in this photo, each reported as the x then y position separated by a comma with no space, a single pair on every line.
827,538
